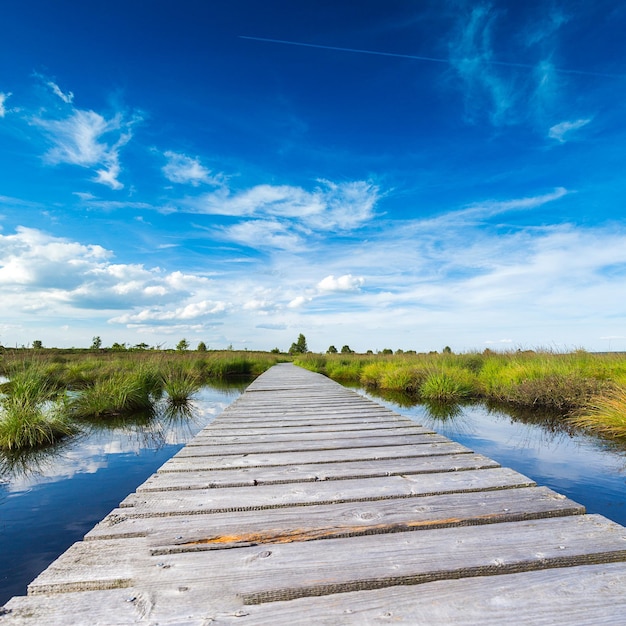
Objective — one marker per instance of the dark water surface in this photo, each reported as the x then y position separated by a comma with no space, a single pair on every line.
50,501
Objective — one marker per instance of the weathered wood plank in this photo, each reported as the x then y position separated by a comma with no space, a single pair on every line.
218,431
286,525
287,571
211,479
587,595
302,445
186,463
210,438
192,501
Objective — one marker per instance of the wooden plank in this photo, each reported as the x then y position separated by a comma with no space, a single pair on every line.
587,595
312,444
202,501
218,431
287,571
210,438
191,463
286,525
211,479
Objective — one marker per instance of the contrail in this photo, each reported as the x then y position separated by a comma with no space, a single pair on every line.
420,58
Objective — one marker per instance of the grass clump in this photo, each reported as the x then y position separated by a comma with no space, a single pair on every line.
32,413
180,384
122,393
604,414
445,387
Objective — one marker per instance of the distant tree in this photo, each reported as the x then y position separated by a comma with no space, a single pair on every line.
370,352
118,346
201,347
387,351
96,343
141,346
346,350
447,350
182,345
399,351
37,345
275,350
299,347
331,350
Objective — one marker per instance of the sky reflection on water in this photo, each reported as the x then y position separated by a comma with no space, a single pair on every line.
42,511
588,470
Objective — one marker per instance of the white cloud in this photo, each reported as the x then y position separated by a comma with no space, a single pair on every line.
192,311
560,132
3,99
298,302
347,282
186,170
330,206
265,234
88,139
68,97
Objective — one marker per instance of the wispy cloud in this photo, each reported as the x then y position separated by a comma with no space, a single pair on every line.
329,206
90,140
3,98
493,87
561,132
183,169
68,97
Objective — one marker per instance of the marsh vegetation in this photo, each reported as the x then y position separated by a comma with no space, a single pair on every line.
49,395
586,390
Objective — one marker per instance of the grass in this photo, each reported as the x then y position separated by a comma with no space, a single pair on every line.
32,412
105,384
50,392
604,414
581,384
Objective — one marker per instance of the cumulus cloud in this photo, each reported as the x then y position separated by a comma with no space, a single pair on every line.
347,282
88,139
183,169
560,132
39,268
3,98
192,311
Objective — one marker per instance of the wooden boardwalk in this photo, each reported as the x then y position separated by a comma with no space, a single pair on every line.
305,503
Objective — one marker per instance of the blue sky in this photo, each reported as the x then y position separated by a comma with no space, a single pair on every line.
388,174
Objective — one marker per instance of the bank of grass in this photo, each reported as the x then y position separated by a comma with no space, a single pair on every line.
50,392
588,388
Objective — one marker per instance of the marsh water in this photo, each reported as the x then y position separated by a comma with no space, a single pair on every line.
50,500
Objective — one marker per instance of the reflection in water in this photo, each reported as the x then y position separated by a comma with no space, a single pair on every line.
542,446
50,498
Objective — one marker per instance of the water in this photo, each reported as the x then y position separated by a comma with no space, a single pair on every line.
49,501
588,470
